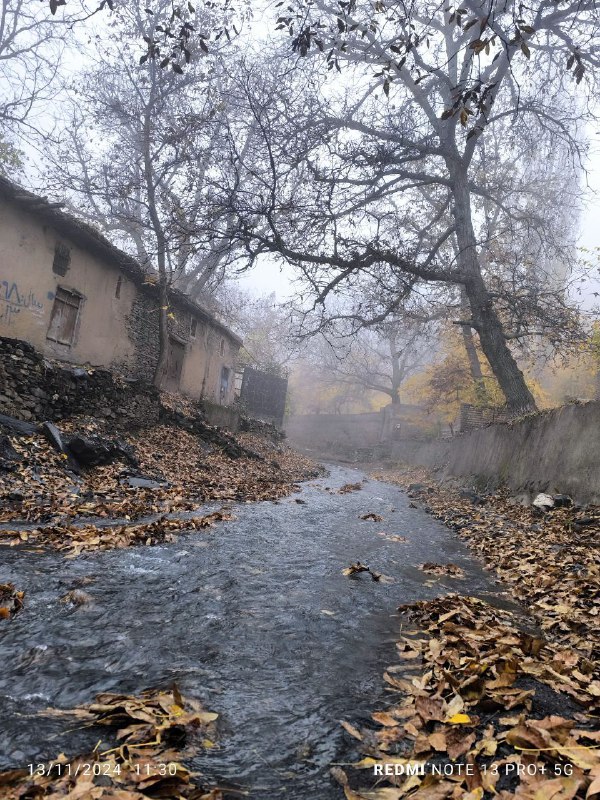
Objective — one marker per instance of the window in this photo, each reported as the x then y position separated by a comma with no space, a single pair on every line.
118,286
62,259
65,313
193,327
222,347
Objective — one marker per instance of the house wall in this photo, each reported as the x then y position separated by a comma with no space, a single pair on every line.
28,286
111,332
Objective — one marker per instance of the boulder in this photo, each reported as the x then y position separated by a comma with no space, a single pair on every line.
543,502
17,425
473,496
53,435
140,482
562,501
93,451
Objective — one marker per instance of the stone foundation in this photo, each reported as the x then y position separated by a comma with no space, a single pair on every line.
34,389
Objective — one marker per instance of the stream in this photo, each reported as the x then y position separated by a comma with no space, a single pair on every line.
253,617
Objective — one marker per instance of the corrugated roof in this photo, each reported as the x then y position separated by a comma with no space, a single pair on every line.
89,238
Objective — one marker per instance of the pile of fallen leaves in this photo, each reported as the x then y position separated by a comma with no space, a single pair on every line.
73,540
188,471
452,570
154,731
11,600
350,487
550,559
479,706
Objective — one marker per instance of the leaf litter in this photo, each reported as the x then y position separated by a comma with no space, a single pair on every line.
151,733
11,600
501,711
187,471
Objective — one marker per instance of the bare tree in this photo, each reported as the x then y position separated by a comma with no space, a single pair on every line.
138,160
31,48
381,360
426,88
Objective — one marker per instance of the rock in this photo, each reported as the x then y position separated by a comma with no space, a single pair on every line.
543,502
471,494
144,483
9,457
93,451
562,501
416,487
52,434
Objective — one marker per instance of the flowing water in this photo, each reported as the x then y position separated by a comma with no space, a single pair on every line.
253,617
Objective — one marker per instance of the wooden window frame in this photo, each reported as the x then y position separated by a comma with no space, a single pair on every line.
70,299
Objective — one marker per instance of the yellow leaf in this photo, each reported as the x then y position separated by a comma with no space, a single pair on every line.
459,719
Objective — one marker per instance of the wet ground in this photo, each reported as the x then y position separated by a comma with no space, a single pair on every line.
254,617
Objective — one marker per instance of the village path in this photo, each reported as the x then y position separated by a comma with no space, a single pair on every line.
254,618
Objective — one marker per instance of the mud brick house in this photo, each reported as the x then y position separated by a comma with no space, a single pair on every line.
74,296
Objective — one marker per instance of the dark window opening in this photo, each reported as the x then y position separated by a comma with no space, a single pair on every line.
222,347
193,327
65,313
62,259
118,286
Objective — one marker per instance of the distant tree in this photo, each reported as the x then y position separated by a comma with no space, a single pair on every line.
265,326
380,359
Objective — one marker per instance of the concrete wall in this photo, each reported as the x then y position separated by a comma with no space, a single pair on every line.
114,332
344,434
557,450
221,416
337,434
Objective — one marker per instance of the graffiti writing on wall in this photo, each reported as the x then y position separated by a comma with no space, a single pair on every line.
15,301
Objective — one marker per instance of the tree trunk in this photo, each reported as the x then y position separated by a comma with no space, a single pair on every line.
161,245
163,331
396,372
485,319
472,355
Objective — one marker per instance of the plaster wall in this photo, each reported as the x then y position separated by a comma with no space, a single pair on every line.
28,287
111,331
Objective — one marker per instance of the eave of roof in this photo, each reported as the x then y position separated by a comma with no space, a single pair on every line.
89,238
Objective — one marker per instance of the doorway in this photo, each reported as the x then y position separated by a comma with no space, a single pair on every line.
175,356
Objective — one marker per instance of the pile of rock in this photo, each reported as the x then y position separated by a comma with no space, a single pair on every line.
32,388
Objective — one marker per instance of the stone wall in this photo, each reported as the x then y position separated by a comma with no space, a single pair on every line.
142,327
32,388
555,451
